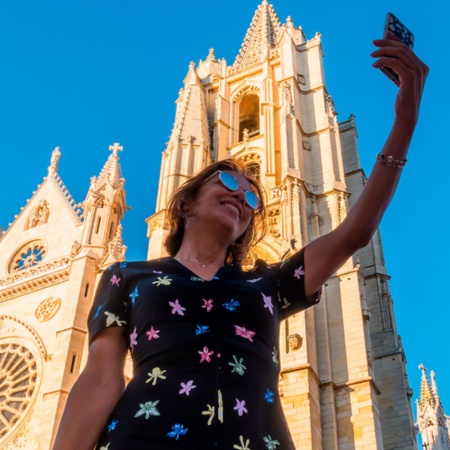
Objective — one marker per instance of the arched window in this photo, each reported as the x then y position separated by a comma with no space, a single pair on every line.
249,116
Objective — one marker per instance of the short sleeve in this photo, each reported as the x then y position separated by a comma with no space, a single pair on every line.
110,307
291,286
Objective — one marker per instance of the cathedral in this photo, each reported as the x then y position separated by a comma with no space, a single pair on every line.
343,380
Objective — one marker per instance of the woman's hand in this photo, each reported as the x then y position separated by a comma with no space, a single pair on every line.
412,72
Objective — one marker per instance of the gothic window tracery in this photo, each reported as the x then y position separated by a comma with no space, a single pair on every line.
47,308
18,373
28,256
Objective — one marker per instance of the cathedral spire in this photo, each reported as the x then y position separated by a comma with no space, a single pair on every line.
191,119
111,172
104,208
426,393
260,38
432,421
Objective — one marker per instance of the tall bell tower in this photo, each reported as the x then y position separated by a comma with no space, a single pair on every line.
343,378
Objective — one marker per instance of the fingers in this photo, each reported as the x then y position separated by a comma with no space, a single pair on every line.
397,56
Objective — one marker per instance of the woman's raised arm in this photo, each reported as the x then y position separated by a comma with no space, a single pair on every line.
327,253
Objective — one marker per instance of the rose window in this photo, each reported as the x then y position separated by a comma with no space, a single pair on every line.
18,373
28,256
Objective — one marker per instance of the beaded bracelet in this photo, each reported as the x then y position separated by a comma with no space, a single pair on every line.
387,160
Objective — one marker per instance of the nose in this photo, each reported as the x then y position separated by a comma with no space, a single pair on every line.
239,193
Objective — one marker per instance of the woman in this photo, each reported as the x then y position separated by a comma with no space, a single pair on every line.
203,333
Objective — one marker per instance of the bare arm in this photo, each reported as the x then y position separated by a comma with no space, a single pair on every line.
95,393
326,254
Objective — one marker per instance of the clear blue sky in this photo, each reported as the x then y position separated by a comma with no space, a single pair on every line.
82,75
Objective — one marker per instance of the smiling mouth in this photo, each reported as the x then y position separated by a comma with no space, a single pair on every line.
233,208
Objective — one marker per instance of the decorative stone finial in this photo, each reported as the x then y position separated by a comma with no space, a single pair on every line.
116,148
53,168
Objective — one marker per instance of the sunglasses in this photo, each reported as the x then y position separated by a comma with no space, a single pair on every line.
232,184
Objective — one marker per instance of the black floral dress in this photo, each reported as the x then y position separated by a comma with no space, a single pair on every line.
205,353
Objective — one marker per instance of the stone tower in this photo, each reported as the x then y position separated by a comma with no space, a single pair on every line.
434,425
51,257
343,378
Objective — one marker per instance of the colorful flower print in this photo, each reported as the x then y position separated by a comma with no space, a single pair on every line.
163,281
246,334
105,447
254,280
112,426
133,339
268,302
286,304
205,354
123,265
148,409
177,431
201,329
98,311
177,308
220,406
269,396
240,407
243,446
187,387
270,443
238,367
197,279
231,305
115,280
209,412
299,272
275,356
111,318
155,374
134,295
208,304
152,334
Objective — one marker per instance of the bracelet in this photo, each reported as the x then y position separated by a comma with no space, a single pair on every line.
387,160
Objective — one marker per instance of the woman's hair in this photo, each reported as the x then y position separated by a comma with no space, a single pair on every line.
177,214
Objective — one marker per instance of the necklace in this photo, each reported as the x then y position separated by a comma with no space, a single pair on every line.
192,260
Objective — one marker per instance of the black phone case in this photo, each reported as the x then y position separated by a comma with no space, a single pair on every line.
401,31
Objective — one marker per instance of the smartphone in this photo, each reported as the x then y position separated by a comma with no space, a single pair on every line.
401,31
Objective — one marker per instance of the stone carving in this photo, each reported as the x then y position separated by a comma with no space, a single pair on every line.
39,215
306,144
47,308
295,341
19,441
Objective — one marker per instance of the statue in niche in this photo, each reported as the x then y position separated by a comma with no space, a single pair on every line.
39,215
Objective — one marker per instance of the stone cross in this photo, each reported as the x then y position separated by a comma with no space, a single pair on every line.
115,148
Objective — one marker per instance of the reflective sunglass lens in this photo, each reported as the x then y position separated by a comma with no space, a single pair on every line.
252,199
229,181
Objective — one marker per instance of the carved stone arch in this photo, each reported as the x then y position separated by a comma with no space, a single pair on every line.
246,113
9,327
263,251
252,159
21,368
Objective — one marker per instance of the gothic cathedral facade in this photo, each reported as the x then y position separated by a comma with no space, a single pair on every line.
343,380
51,258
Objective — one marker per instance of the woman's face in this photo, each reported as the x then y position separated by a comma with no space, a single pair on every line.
220,209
